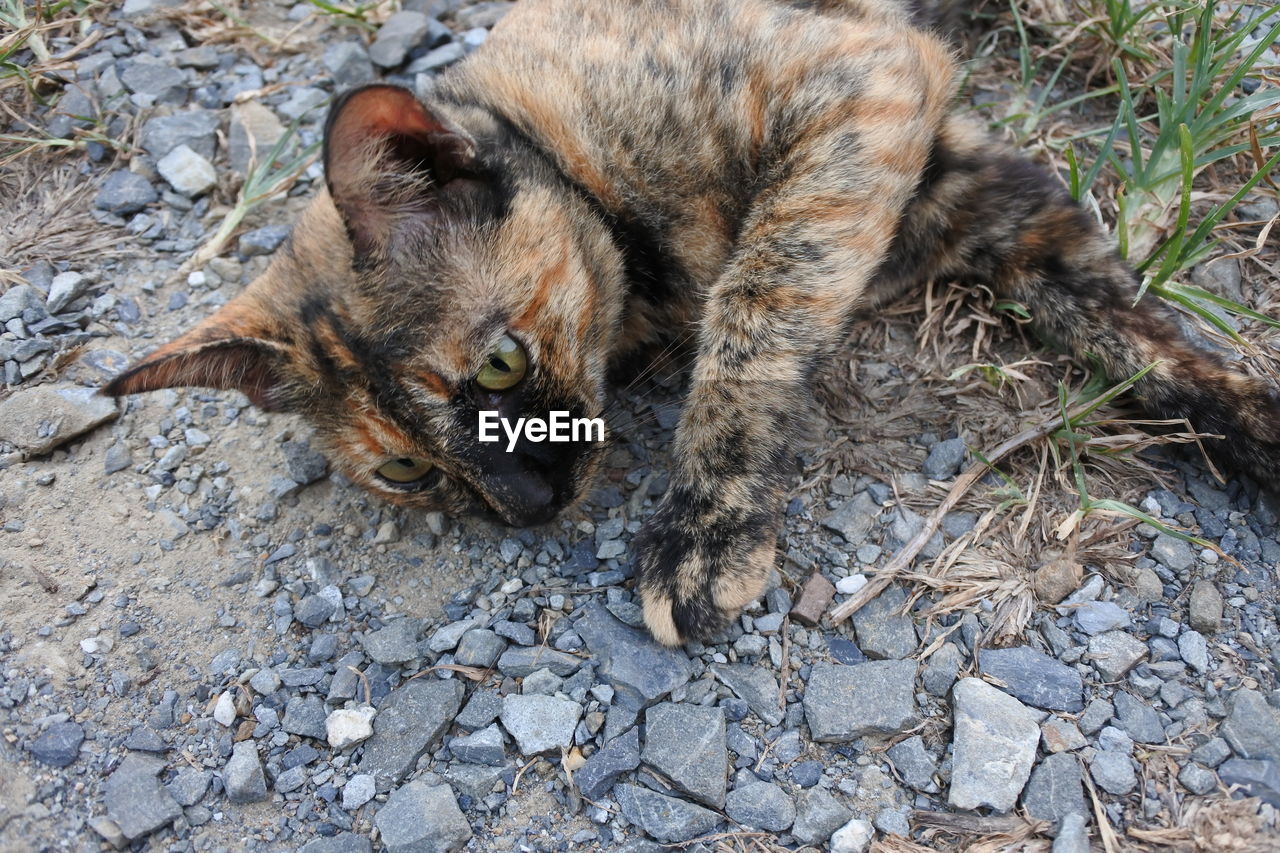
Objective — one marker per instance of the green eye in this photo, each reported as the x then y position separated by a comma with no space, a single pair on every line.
504,367
406,470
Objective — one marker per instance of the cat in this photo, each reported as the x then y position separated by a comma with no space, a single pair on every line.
603,174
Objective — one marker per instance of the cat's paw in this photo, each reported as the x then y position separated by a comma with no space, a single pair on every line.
694,580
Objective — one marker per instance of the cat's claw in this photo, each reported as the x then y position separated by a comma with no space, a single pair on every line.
693,585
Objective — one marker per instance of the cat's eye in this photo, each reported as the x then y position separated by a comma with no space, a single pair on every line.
504,367
405,470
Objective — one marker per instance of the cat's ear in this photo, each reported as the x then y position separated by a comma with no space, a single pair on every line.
385,155
234,349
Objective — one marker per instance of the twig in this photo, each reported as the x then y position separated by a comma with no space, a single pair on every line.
786,662
1105,831
963,483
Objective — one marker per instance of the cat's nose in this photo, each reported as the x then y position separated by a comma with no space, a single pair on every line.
531,498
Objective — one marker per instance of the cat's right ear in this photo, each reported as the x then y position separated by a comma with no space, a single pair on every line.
385,158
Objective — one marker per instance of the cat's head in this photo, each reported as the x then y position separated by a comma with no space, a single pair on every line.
438,276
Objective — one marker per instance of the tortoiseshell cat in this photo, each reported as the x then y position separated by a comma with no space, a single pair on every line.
603,173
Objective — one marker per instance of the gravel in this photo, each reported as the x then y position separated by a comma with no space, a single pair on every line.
422,818
686,744
409,722
59,745
847,702
761,805
665,819
136,801
995,745
540,724
1035,678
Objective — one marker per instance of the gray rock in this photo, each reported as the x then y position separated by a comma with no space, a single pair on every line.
1059,735
1115,653
348,63
291,779
1098,617
522,662
818,815
479,647
483,747
1194,650
58,745
1197,779
994,745
305,465
945,459
686,744
146,75
842,703
883,632
1220,276
914,764
187,172
1205,607
761,805
1073,836
755,686
854,518
854,837
124,193
473,780
892,822
639,669
314,610
540,724
410,721
136,800
264,240
19,299
37,420
1034,678
190,786
1055,789
359,790
434,60
255,130
1174,553
400,34
303,100
484,14
1138,719
666,819
422,818
305,716
1253,726
65,288
542,681
197,129
395,644
941,670
117,458
1113,771
242,777
1212,752
596,777
482,708
1257,778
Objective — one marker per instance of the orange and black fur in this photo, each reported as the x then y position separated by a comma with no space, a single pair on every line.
604,173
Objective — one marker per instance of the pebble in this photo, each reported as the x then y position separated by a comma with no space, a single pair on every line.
124,192
1073,836
597,776
883,631
305,716
761,805
37,420
242,777
422,817
1034,678
65,288
1205,607
914,764
540,724
1253,726
843,703
396,37
854,518
187,172
994,743
397,643
815,598
58,745
1114,653
1098,617
944,459
1055,789
756,686
483,747
411,720
686,744
639,669
1257,778
136,801
347,727
1138,719
1113,771
1174,553
665,819
818,816
1193,649
854,837
359,790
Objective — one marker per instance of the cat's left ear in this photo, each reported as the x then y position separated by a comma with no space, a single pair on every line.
385,159
232,349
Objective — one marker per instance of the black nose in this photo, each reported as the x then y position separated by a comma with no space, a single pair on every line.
532,497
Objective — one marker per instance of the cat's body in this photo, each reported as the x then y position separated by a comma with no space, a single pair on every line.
740,174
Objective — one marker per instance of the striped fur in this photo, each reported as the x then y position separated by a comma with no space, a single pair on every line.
607,173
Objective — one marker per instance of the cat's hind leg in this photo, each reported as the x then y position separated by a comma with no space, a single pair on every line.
986,215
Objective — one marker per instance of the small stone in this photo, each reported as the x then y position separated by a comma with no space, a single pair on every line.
523,662
1206,607
65,288
124,192
914,764
854,837
304,464
1098,617
1034,678
756,686
995,738
314,610
1073,836
1138,719
1197,779
480,648
883,631
1253,726
1055,789
359,790
818,815
411,720
842,703
291,779
595,778
255,130
305,716
665,819
343,842
264,240
854,518
481,710
1174,553
686,744
1115,653
1113,771
540,724
638,668
945,459
1193,648
1212,752
422,818
187,172
761,805
1056,579
136,800
242,777
349,726
197,129
941,670
1059,735
395,644
189,786
58,745
348,63
264,682
1256,778
36,420
483,747
815,598
401,33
